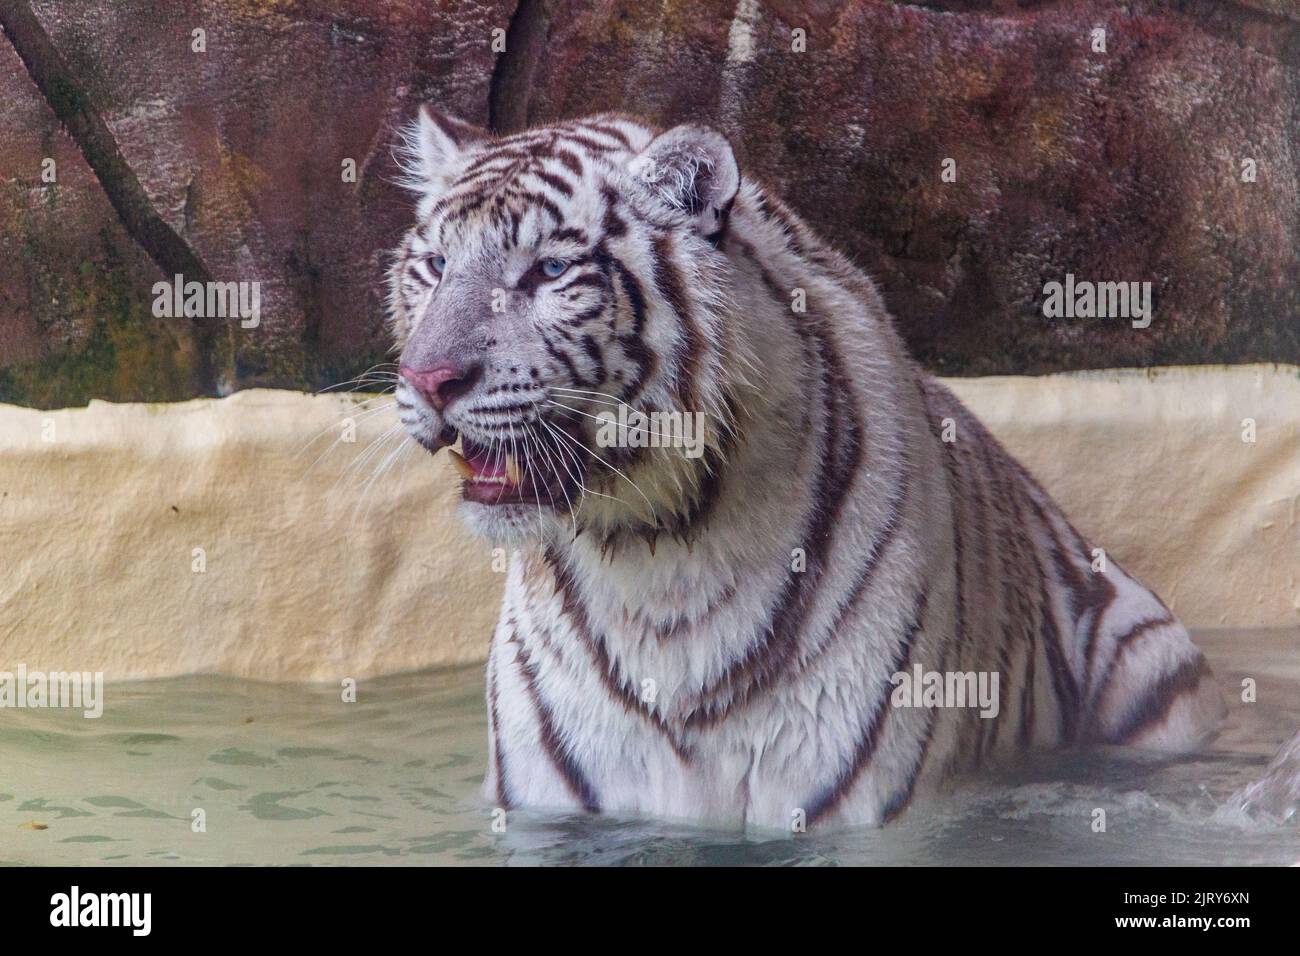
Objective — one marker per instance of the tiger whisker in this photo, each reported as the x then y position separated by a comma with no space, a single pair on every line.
334,444
382,467
567,453
652,434
372,449
346,415
368,379
615,400
616,471
378,372
532,479
555,475
514,457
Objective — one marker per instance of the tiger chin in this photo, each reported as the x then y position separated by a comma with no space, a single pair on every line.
722,636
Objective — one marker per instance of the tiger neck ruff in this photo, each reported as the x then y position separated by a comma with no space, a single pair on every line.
717,636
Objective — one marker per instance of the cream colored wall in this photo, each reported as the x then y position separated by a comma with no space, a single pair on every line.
314,573
1153,467
309,575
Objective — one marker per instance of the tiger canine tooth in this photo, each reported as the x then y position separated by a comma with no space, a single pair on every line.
513,472
465,468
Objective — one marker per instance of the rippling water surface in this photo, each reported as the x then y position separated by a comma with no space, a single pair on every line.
289,774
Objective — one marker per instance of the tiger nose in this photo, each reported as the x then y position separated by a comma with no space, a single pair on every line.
442,384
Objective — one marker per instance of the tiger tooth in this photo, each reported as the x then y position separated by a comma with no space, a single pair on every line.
465,468
513,472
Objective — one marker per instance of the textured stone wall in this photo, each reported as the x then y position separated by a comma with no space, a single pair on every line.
1117,166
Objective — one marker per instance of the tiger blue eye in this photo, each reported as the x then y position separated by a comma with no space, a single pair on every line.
438,263
554,268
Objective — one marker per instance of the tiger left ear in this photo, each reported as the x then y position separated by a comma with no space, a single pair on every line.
693,169
435,140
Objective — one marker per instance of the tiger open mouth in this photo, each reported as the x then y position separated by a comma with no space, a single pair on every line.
501,474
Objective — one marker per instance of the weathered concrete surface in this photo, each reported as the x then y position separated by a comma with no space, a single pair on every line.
309,573
1123,165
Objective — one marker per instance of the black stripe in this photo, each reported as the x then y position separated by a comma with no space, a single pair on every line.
555,182
1023,548
900,800
570,161
587,143
1153,709
611,131
564,360
993,526
778,642
633,343
586,316
612,225
1063,680
569,233
668,280
831,796
498,745
607,670
1097,700
551,741
593,279
592,348
866,573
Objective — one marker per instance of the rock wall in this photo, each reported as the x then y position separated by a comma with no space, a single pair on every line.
1122,165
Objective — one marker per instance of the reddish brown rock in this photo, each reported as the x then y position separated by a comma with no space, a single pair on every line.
240,150
1116,166
75,318
1123,165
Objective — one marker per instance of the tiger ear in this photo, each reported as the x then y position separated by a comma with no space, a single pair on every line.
433,142
693,169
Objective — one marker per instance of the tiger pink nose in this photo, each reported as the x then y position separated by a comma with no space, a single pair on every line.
444,383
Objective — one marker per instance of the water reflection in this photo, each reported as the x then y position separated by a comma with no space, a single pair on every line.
293,775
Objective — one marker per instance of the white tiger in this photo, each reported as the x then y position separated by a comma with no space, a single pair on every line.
716,637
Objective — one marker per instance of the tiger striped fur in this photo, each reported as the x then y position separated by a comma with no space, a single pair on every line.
714,638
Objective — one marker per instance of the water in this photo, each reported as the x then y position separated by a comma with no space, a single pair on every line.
289,774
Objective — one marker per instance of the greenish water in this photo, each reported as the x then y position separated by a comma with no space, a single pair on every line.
290,774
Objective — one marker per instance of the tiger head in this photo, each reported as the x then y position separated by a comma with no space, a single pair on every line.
562,310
